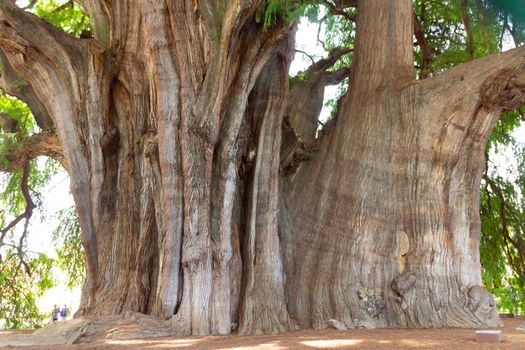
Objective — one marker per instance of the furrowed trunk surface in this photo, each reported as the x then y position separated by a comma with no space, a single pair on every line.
382,227
169,124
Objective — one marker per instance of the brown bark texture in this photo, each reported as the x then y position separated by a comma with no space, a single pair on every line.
169,123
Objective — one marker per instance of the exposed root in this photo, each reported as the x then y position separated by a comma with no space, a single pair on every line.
95,329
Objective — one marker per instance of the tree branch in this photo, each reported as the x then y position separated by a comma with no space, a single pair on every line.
310,57
41,53
305,103
426,50
30,205
504,209
12,84
337,9
345,3
42,144
497,82
326,63
465,18
7,124
337,76
101,19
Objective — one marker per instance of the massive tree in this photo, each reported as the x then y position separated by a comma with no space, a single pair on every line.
170,119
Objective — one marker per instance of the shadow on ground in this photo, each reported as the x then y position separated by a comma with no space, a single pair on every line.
447,338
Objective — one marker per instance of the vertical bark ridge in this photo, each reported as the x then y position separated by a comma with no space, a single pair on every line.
227,182
165,110
383,48
263,275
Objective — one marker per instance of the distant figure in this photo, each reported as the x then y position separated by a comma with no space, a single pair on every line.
63,312
55,312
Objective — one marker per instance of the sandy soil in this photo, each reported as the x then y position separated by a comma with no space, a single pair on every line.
448,338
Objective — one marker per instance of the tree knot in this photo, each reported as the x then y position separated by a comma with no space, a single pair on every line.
504,90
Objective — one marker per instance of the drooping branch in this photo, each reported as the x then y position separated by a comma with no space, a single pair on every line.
30,206
505,214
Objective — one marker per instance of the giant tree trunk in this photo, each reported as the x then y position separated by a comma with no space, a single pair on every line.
170,127
382,226
151,116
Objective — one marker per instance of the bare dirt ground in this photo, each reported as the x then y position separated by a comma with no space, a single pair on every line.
448,338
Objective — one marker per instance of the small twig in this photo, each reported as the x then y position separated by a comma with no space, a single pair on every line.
306,54
319,35
337,11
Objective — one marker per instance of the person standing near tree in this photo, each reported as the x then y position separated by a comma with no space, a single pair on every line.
63,312
54,313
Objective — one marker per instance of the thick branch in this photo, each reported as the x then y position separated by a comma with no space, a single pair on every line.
496,82
337,76
42,144
306,101
383,53
19,28
12,84
41,53
99,12
326,63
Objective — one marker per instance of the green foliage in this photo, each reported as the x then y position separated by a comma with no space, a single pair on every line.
21,116
64,14
515,9
22,283
66,238
274,11
24,275
502,208
446,34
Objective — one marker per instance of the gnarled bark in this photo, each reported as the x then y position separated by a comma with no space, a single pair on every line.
150,135
169,123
